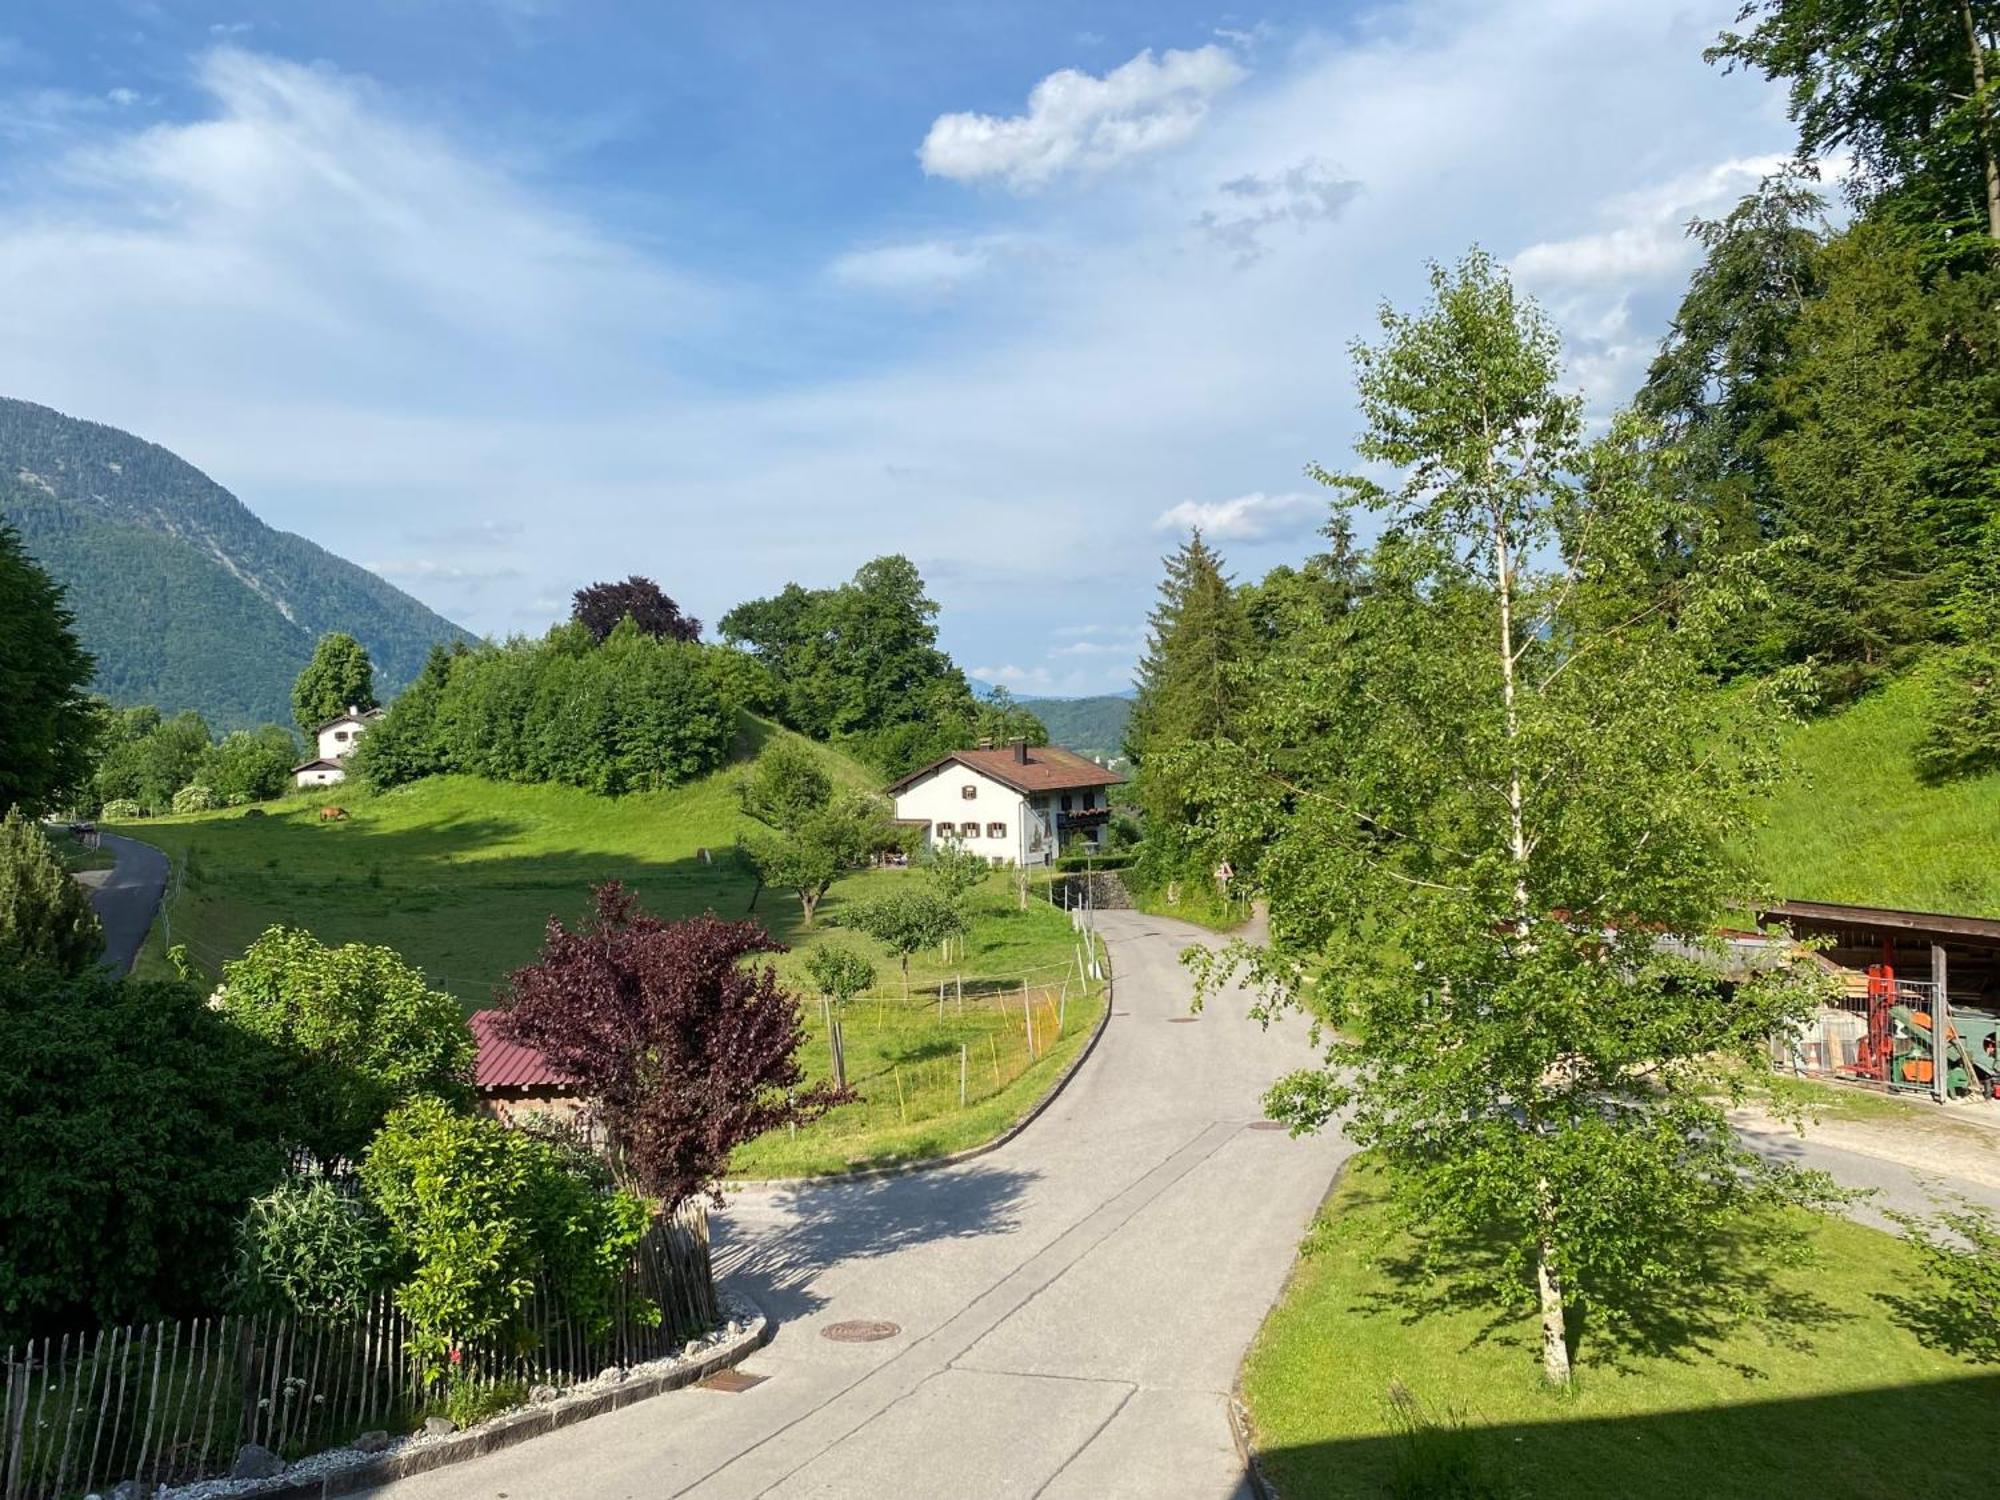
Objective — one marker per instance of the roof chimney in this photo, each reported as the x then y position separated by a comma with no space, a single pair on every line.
1020,751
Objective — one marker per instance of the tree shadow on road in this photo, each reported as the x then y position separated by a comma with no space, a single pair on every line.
777,1256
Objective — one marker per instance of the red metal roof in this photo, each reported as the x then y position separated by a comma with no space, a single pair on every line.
503,1064
1045,768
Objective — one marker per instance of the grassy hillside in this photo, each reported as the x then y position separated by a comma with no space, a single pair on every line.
1855,824
460,876
187,599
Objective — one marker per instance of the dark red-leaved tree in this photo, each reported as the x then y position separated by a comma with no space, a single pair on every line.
600,607
686,1051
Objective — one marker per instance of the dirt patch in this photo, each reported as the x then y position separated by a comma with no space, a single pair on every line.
1933,1143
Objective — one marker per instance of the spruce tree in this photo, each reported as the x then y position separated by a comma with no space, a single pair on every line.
45,918
47,725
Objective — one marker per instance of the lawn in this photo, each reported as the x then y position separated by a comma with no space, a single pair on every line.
1853,823
1831,1395
460,876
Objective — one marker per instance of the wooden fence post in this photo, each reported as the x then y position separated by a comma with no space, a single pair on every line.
961,1075
1028,1019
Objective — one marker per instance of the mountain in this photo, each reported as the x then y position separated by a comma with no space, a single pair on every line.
187,599
1089,726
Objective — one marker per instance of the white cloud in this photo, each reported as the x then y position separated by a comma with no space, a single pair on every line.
1247,518
123,97
1125,648
425,568
1077,122
1647,235
1012,676
922,268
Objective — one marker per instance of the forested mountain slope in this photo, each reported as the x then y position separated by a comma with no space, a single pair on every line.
1089,726
186,599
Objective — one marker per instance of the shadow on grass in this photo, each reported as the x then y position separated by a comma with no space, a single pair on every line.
1883,1444
1740,1276
779,1250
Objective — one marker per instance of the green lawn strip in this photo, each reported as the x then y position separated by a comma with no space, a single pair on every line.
905,1067
1831,1396
75,857
1202,908
1853,823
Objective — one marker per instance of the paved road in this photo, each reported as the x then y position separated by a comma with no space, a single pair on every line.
128,898
1074,1305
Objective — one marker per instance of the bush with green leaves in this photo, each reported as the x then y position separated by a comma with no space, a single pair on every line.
45,918
482,1213
311,1246
250,765
138,1125
362,1031
194,798
121,810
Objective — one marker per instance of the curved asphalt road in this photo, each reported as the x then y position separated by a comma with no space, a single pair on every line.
1074,1306
128,899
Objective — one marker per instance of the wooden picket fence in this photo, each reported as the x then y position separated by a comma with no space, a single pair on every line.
168,1403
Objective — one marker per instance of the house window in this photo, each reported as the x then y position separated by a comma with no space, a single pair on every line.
996,830
1089,801
340,735
969,791
1065,801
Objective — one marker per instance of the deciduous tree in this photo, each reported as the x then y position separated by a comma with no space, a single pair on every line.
906,921
683,1050
339,677
362,1029
1500,857
600,607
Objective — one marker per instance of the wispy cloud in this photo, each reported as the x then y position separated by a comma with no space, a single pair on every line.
1078,122
1247,518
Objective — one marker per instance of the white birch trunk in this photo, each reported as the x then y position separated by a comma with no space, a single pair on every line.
1972,40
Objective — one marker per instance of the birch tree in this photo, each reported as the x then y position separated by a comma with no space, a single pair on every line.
1499,808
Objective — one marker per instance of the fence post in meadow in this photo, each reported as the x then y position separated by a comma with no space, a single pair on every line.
958,988
839,1041
961,1075
17,1414
902,1110
993,1046
1028,1019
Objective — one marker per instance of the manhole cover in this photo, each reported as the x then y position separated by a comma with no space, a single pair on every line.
733,1381
1182,1020
860,1331
1268,1125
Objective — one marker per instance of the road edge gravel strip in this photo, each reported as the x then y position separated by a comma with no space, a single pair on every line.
928,1163
518,1426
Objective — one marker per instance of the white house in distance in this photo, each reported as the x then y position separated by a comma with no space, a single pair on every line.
1018,804
337,738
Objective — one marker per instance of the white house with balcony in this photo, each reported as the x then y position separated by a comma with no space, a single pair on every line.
336,739
1018,804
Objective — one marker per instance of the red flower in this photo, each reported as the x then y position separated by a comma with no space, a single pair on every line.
458,1356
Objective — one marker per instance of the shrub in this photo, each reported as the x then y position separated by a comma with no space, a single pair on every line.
45,918
249,765
362,1029
137,1128
469,1403
194,798
685,1052
310,1247
121,810
480,1213
907,921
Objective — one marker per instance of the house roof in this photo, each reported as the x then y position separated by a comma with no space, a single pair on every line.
1825,914
1046,768
317,763
501,1064
347,718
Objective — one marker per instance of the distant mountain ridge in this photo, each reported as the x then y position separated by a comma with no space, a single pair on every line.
185,597
1089,726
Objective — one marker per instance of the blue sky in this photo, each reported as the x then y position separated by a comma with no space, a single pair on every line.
502,296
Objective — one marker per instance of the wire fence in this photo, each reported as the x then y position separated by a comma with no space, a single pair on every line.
171,1402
